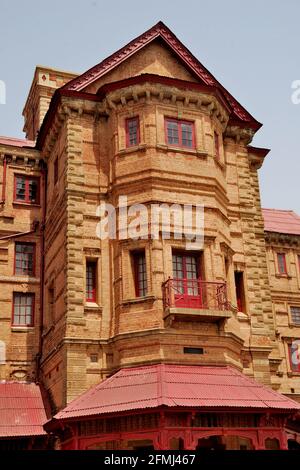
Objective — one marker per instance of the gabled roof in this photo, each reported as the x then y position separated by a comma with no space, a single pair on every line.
281,221
16,142
160,30
153,386
22,410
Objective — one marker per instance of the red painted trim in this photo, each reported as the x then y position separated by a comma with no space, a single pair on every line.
179,122
284,262
93,265
4,180
127,121
32,308
33,261
135,257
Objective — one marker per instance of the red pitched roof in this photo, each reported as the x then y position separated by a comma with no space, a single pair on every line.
160,30
175,386
22,411
16,142
281,221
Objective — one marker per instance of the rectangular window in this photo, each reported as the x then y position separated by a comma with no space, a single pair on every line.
140,273
180,133
91,272
27,189
295,315
132,132
25,259
294,356
240,291
281,261
55,170
23,309
217,146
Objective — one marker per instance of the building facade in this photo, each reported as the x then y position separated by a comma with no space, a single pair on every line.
152,124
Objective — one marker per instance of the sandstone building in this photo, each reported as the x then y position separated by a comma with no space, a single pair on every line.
174,347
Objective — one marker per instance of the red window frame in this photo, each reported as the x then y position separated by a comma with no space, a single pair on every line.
140,273
20,257
91,281
27,180
281,263
25,304
293,347
180,123
55,171
132,139
217,145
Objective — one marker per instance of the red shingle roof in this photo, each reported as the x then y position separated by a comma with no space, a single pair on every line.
22,411
16,142
175,386
281,221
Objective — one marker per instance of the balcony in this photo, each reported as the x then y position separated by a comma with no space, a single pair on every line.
190,299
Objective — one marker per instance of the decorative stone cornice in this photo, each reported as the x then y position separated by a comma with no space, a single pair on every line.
274,238
167,95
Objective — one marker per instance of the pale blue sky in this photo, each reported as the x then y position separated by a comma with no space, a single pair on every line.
252,48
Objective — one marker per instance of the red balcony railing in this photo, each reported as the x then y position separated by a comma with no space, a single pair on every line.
193,293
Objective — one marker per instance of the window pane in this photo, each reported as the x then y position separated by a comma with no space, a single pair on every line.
132,131
20,189
172,132
187,134
24,259
295,314
23,309
281,263
141,274
91,281
33,190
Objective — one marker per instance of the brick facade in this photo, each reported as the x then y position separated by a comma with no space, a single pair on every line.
74,344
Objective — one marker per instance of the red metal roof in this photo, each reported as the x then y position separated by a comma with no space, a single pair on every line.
175,386
281,221
22,411
16,142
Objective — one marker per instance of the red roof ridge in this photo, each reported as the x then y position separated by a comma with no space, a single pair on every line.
162,31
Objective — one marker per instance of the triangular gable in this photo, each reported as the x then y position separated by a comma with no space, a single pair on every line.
160,30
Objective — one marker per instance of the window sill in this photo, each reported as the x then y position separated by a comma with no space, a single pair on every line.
22,329
134,148
26,204
284,276
190,151
92,307
293,374
137,300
